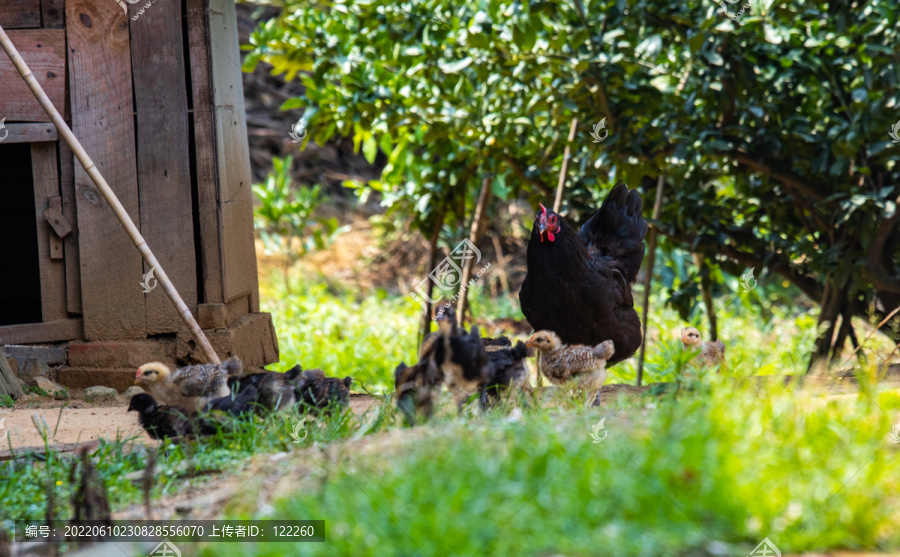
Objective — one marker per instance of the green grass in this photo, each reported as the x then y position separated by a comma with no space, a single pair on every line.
723,464
333,328
724,461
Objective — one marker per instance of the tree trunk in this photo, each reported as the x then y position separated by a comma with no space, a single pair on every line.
834,302
648,275
432,263
474,233
706,292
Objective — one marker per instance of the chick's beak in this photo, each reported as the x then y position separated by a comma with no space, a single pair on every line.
529,342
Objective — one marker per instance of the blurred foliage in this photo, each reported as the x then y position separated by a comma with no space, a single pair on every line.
771,126
285,215
699,471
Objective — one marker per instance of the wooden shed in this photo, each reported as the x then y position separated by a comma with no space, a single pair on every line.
153,91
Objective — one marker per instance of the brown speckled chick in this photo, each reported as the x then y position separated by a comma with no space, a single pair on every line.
561,363
190,387
711,353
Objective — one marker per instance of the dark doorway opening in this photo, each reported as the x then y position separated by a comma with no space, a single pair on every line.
20,275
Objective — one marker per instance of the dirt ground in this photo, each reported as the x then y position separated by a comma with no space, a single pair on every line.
81,421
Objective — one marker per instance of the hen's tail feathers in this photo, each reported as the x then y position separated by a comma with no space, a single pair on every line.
604,350
616,230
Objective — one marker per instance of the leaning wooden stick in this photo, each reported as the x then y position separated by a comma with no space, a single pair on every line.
564,169
109,195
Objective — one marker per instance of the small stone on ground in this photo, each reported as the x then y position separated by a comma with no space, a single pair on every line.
46,384
131,391
100,394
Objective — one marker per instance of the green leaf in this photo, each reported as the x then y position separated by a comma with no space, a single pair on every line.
453,67
370,149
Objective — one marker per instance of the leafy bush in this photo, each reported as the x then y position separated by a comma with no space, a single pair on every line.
285,216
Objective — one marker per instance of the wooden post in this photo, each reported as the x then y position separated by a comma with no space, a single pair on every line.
564,169
648,274
473,236
109,195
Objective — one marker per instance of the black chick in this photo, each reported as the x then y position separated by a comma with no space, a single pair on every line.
161,421
318,392
508,364
416,388
241,402
273,392
462,358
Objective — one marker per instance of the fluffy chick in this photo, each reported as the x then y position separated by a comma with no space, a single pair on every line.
239,403
274,392
162,421
561,363
318,392
462,359
416,388
711,353
444,314
190,387
508,363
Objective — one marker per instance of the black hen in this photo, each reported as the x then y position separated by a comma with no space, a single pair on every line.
579,285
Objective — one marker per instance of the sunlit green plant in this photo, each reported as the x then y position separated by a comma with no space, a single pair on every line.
285,216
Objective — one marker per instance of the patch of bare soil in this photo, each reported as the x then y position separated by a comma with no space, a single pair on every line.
82,421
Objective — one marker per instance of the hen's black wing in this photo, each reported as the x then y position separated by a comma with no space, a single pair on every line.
615,232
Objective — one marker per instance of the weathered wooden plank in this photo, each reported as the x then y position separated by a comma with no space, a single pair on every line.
28,133
53,12
44,50
164,168
30,333
53,272
205,150
70,242
103,119
232,156
20,14
56,220
61,227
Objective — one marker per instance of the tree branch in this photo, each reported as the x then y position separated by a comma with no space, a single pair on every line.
808,285
789,180
518,171
874,270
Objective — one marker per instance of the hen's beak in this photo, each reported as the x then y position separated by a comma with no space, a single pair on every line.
542,228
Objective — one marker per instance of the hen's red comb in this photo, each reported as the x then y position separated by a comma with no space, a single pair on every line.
544,209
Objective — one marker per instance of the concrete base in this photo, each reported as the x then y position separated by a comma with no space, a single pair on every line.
113,364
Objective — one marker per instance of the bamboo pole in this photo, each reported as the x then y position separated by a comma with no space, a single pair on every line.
109,195
564,169
648,274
